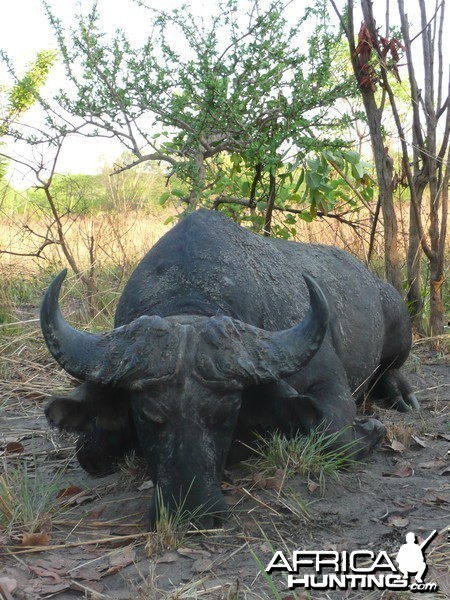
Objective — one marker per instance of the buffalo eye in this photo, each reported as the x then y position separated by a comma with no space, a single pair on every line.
150,416
221,414
218,417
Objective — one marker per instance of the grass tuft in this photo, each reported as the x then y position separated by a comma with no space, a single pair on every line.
318,456
27,498
171,528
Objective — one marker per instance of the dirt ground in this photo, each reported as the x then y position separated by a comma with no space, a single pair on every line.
92,542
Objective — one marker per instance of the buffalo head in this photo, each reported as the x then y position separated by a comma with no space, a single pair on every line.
179,380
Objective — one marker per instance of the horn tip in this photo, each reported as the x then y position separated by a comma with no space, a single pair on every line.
316,291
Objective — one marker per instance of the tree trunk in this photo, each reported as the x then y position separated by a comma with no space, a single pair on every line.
270,205
413,262
383,162
384,170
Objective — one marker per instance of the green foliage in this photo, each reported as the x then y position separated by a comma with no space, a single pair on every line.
25,92
239,108
21,96
83,194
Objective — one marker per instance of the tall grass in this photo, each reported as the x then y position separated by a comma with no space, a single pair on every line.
108,245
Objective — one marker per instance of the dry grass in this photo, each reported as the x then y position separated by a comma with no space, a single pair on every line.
123,237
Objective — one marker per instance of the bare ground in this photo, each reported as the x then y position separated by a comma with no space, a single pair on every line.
91,542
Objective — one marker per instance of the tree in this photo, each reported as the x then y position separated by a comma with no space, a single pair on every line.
22,94
366,59
240,98
424,167
430,160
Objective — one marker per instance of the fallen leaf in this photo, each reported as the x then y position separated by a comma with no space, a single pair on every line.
125,530
201,565
71,490
403,471
269,483
147,485
35,539
54,564
275,482
443,436
396,446
437,497
40,589
397,521
168,557
419,441
75,496
433,464
259,479
14,448
123,558
47,573
86,574
7,583
119,561
83,498
313,486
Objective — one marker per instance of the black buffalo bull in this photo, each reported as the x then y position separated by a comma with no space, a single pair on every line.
220,333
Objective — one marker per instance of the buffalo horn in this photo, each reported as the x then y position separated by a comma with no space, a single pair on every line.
292,348
76,351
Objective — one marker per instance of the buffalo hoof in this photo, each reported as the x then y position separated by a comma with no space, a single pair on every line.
369,433
394,390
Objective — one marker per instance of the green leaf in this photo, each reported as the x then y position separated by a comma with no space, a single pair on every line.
245,188
358,171
164,197
351,156
290,220
313,180
299,180
306,216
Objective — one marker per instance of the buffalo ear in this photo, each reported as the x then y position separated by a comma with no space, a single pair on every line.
279,406
87,405
299,414
293,411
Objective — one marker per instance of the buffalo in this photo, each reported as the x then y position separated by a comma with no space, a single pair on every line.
221,334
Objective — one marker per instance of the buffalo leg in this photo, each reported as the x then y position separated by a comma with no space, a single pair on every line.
358,435
393,389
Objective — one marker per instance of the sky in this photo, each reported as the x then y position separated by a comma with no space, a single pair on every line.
24,30
23,37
